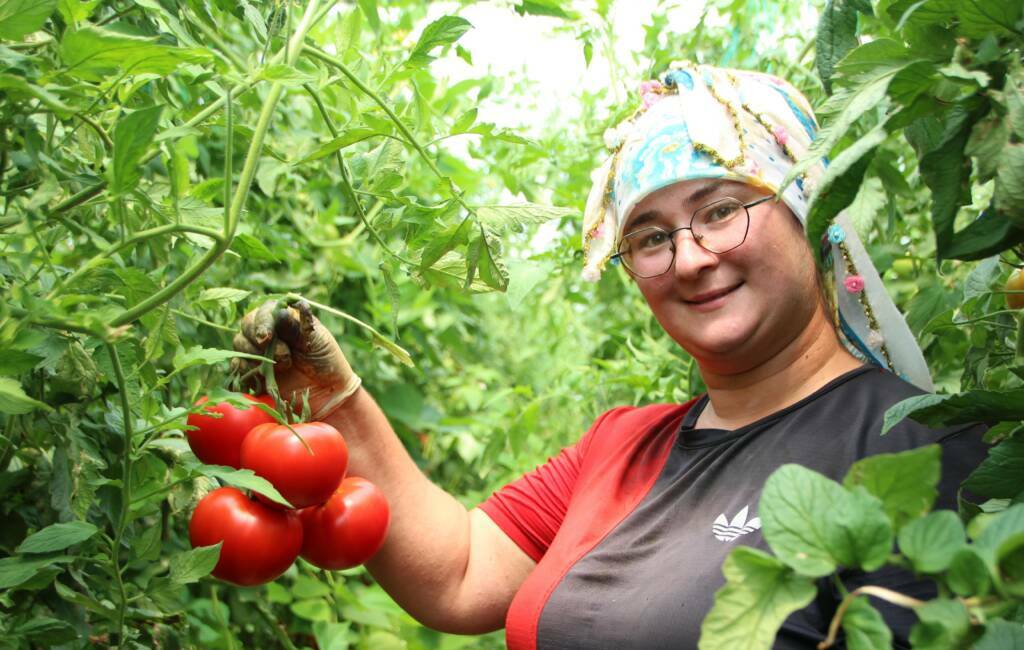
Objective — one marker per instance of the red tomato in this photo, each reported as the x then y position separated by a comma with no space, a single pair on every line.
274,452
260,543
348,529
218,441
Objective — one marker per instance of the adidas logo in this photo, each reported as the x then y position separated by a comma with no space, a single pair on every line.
726,531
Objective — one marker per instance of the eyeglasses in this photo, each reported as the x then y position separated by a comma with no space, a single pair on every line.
717,227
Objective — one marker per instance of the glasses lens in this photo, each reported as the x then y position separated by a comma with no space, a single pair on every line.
646,252
721,226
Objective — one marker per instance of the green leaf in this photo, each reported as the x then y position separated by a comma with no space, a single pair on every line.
932,541
864,627
1001,635
943,624
94,53
19,18
991,233
999,476
315,609
369,9
814,525
332,636
1009,196
244,479
836,36
17,569
223,295
988,137
132,137
14,401
1003,536
968,573
760,592
307,587
57,537
346,139
200,356
18,88
904,482
962,408
16,362
499,218
285,74
443,31
978,18
251,248
189,566
51,630
947,172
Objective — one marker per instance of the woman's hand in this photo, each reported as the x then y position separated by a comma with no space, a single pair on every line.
306,355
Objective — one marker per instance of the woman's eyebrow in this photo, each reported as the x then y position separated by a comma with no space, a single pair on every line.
698,195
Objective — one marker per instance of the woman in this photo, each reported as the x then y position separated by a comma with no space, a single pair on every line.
618,541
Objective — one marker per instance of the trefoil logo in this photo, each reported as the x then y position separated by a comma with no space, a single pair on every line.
726,531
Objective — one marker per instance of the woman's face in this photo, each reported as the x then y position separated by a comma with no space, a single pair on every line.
735,310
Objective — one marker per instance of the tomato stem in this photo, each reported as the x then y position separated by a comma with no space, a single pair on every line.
398,351
126,488
882,593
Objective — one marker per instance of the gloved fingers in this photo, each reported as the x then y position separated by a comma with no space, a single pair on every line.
258,324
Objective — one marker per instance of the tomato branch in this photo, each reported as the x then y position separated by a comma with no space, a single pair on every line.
126,487
398,351
882,593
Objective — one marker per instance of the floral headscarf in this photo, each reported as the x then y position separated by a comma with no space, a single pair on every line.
707,122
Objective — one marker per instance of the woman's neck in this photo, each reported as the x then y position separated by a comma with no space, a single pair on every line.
808,362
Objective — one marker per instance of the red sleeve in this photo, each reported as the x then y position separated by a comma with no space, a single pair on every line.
530,509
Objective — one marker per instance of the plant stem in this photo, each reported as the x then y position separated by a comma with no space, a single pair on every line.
387,343
126,487
887,595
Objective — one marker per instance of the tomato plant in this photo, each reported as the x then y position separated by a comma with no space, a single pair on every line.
217,439
258,543
305,462
347,530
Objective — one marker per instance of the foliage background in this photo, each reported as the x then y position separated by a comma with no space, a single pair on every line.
502,379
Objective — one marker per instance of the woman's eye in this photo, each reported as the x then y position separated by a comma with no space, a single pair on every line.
722,212
651,240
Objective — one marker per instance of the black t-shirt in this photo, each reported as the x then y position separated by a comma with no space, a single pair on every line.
651,581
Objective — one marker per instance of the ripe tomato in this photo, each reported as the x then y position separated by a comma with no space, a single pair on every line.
218,441
1015,283
348,529
303,478
260,543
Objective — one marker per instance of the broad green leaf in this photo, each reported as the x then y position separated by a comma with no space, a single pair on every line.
979,18
19,18
286,74
932,541
14,401
963,408
95,52
200,356
1001,635
189,566
760,592
968,573
132,137
988,137
999,476
245,479
51,630
57,537
369,9
942,624
332,636
307,587
989,234
499,218
18,88
1009,196
443,31
17,569
464,121
16,362
947,173
252,248
276,593
75,11
864,627
814,525
904,482
836,35
1002,534
492,268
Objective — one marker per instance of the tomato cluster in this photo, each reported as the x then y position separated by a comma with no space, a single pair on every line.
337,522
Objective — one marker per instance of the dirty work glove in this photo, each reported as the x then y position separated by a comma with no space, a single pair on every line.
306,355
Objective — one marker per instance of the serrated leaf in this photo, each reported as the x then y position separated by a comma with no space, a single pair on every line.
285,74
1009,195
962,408
189,566
1000,475
251,248
1001,635
224,295
14,401
307,587
443,31
95,52
315,609
132,137
346,139
57,537
200,356
369,9
760,592
17,569
932,541
904,482
464,121
16,362
19,18
836,36
499,218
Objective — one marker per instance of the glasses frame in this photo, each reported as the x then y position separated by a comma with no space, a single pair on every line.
619,257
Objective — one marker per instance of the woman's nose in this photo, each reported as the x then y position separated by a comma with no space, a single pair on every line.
691,257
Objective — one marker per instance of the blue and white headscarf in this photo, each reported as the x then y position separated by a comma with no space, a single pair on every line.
707,122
